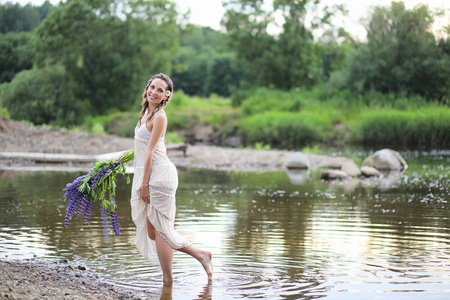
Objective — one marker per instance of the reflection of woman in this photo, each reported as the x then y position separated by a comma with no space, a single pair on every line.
155,182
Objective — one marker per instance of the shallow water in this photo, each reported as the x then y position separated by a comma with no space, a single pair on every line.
273,235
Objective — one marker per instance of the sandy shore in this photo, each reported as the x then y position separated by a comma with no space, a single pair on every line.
40,279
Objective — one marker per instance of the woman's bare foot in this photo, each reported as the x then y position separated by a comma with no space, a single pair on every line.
207,264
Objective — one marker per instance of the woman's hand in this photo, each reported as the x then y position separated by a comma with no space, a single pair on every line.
145,193
121,155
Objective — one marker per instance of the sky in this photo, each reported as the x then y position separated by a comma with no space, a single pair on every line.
210,12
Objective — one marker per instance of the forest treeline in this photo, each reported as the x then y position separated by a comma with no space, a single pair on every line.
291,73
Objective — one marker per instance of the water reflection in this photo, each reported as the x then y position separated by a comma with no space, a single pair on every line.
272,236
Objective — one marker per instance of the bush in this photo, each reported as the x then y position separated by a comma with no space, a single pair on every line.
284,130
43,96
186,112
117,123
262,100
4,113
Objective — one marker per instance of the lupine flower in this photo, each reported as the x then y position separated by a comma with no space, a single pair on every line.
104,215
97,185
115,221
87,211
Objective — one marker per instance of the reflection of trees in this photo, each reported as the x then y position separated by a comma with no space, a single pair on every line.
36,201
268,217
32,197
272,219
404,217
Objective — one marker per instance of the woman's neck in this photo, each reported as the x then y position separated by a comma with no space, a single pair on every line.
150,110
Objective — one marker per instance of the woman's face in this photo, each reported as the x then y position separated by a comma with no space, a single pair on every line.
156,91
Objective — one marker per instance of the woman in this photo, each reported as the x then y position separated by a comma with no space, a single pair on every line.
155,182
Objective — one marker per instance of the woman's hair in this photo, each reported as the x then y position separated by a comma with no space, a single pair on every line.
163,103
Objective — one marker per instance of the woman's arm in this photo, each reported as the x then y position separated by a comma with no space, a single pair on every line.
157,128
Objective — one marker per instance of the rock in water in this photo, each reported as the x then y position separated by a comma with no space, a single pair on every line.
298,161
386,159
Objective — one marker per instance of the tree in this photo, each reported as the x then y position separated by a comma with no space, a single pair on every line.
286,58
17,18
401,56
205,64
15,54
109,48
224,75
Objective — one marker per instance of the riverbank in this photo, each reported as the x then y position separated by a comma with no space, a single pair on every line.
43,279
22,137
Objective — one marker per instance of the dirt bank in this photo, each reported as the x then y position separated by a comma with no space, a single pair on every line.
40,279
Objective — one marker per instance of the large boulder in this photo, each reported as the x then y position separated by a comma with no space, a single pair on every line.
386,159
298,161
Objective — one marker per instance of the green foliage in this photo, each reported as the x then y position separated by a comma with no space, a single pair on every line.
287,60
224,76
173,137
4,113
262,99
261,146
401,56
116,123
43,96
106,48
285,130
15,54
424,127
315,149
189,112
17,18
205,63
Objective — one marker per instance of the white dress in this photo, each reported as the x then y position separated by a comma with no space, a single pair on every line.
163,184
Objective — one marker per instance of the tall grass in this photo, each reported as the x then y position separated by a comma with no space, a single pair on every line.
424,128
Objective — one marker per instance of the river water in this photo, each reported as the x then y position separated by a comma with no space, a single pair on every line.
273,235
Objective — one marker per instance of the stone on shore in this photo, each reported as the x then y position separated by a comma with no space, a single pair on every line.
386,159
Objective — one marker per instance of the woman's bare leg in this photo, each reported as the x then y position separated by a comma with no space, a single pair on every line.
150,230
165,256
204,257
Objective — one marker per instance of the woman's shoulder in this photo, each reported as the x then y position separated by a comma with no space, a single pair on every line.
160,114
159,118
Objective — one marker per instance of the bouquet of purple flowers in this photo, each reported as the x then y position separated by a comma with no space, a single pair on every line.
97,185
